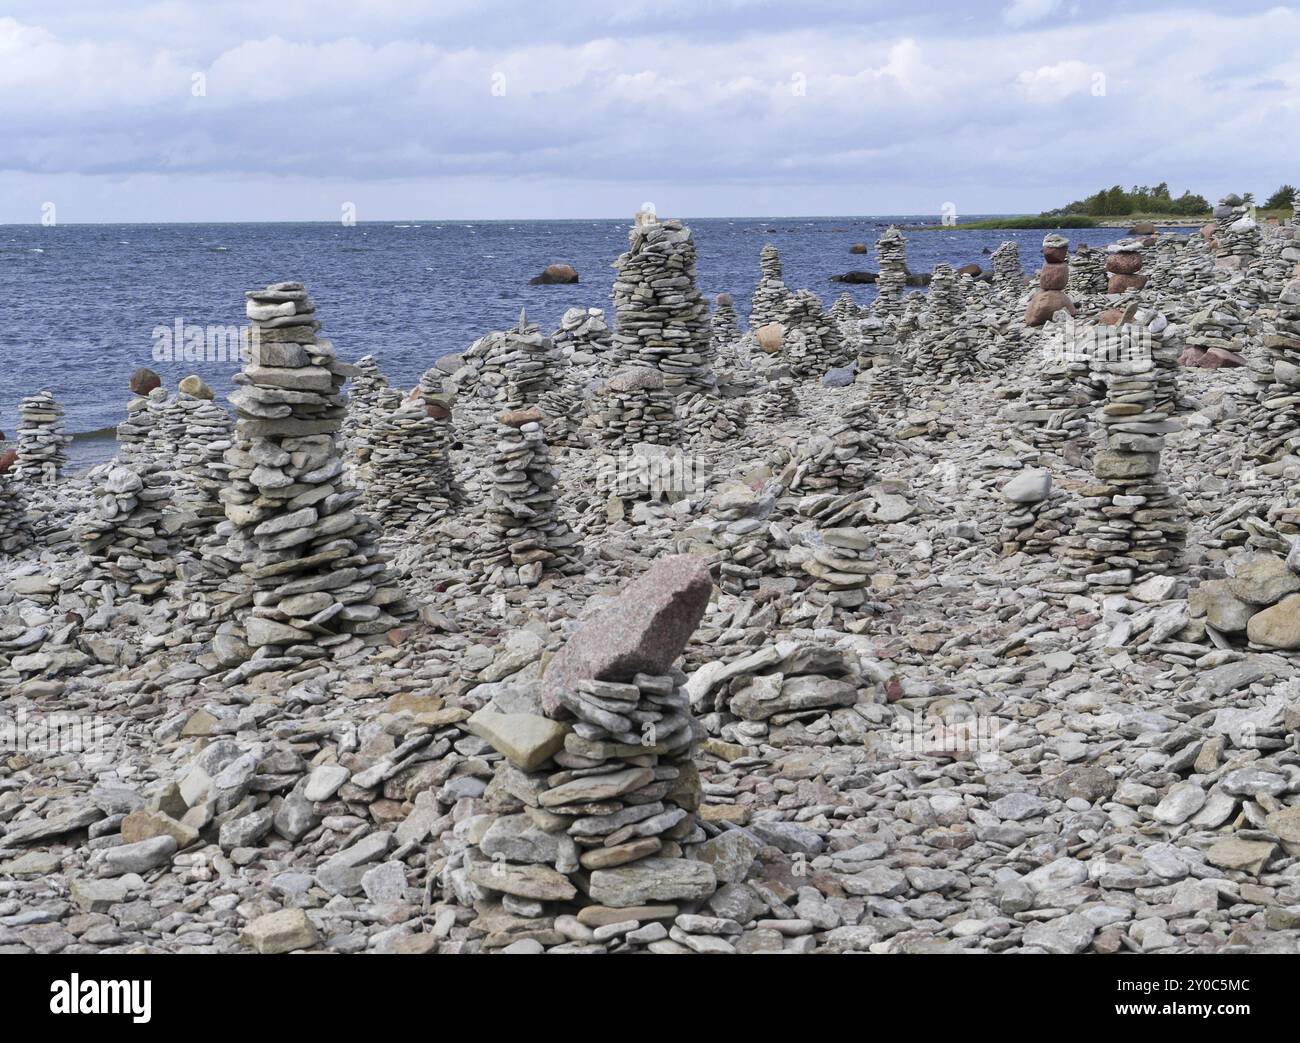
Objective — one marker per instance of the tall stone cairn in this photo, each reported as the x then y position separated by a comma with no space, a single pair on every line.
724,330
525,535
638,408
845,309
879,360
15,526
1237,238
597,788
41,439
1124,263
891,281
1131,523
318,582
125,542
771,294
1087,271
584,338
945,301
363,395
1275,420
407,478
1052,282
135,434
662,320
1008,275
813,340
201,470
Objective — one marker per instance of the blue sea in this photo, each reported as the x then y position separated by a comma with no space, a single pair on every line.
79,303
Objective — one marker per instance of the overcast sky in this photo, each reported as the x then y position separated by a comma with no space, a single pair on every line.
191,111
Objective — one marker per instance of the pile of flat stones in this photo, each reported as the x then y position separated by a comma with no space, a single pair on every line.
1256,604
661,318
1055,407
776,397
845,308
15,527
712,418
735,537
1131,522
407,478
841,459
891,249
317,583
1275,419
771,294
1035,514
1218,329
42,442
879,363
945,301
1237,237
813,341
201,471
125,541
1124,263
637,408
525,535
591,806
363,395
135,434
584,338
1008,274
840,561
1087,271
505,369
724,330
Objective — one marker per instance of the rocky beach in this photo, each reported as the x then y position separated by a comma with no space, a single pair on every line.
966,620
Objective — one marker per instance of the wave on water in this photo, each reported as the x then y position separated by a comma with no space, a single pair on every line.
99,434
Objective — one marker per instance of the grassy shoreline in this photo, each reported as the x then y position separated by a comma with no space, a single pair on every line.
1032,221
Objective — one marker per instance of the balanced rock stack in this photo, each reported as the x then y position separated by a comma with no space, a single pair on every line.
1052,281
1216,335
840,560
525,535
814,344
505,369
1275,420
845,308
125,542
42,442
840,460
597,791
735,536
1057,403
1237,238
15,527
776,397
724,330
319,584
1131,522
363,395
637,408
1087,271
711,418
201,470
135,434
1008,275
945,301
407,477
1124,263
1037,515
584,338
771,294
661,317
891,250
879,360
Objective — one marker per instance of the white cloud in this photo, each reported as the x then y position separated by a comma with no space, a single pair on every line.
1024,12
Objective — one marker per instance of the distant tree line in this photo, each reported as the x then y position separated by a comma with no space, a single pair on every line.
1144,199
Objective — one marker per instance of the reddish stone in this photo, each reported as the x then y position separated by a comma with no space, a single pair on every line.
1045,304
643,630
1232,262
1191,356
1221,358
143,381
1120,283
1143,228
7,460
1126,262
973,270
1110,317
724,299
1054,277
1208,230
1056,254
858,248
520,417
555,274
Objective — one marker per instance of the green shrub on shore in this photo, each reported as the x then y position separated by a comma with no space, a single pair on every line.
1140,199
1029,221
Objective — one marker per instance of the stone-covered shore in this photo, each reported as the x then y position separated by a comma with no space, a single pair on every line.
968,622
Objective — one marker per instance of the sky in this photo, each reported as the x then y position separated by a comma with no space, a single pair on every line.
481,109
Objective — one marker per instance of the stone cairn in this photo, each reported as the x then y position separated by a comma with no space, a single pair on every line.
724,330
42,442
135,434
945,301
363,395
596,791
1130,522
201,471
840,561
879,360
845,308
1008,275
1275,420
1124,263
15,527
771,294
525,535
661,318
407,478
1037,515
584,338
504,369
1062,392
813,340
1087,272
318,582
777,397
1237,238
841,459
892,279
736,538
638,408
125,541
1052,281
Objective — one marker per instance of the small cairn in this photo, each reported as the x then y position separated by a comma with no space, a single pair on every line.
363,396
1053,278
814,344
891,281
771,294
711,418
1131,522
735,536
319,584
638,408
584,338
1087,272
1062,391
15,526
1237,238
1275,420
661,318
724,330
42,441
1008,275
407,478
525,535
125,542
1037,515
135,434
840,560
879,359
945,301
776,397
596,794
505,369
200,468
1124,263
845,308
839,460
